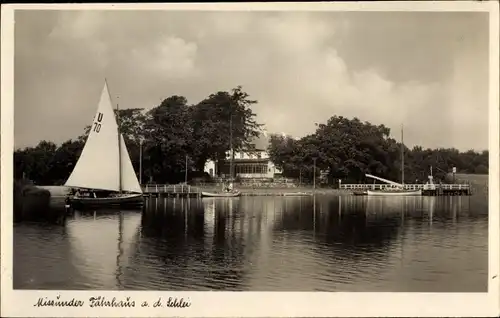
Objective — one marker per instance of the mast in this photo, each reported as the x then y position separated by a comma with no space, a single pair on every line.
119,148
231,147
402,158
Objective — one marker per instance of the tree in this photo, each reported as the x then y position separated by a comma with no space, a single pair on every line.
285,153
348,149
168,138
64,160
351,148
35,163
211,120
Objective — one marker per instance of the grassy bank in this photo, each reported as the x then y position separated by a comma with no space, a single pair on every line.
478,182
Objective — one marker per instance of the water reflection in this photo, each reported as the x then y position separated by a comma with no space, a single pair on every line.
319,243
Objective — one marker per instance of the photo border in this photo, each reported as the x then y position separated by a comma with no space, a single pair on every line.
18,303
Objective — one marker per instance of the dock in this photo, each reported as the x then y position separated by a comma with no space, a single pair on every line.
188,191
460,189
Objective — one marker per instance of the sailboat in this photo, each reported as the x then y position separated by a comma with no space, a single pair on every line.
103,175
227,191
396,189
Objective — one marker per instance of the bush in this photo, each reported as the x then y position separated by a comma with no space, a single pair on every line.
32,203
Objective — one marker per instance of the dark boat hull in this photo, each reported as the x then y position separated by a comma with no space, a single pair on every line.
360,193
123,201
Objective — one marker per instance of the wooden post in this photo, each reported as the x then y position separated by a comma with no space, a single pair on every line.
140,161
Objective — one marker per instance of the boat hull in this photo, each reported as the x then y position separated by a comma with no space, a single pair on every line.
360,193
221,194
394,193
123,201
297,194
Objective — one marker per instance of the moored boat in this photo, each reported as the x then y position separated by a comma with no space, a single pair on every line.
297,194
230,194
394,192
124,200
103,175
359,193
395,189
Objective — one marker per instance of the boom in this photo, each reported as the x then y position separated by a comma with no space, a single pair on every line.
384,180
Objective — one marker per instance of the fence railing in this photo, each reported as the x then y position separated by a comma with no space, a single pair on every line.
183,188
406,186
170,188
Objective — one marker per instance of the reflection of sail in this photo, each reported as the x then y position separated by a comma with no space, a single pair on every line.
42,259
390,205
102,243
431,203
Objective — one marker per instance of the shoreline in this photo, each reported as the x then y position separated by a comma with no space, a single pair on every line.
280,191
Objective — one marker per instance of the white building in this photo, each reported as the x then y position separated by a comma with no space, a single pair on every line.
254,164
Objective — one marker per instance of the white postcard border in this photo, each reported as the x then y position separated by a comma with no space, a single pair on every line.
17,303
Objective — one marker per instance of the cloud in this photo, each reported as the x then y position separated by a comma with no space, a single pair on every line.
302,67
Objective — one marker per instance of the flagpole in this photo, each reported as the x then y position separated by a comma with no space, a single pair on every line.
402,158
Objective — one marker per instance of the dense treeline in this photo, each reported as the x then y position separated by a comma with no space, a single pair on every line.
169,132
347,149
343,148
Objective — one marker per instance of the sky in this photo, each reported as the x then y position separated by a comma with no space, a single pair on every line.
427,71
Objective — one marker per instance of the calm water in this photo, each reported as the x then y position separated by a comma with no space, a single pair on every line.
412,244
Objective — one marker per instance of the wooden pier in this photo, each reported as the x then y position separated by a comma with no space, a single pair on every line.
188,191
427,189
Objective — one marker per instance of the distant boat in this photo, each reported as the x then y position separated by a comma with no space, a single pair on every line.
103,175
399,190
227,194
297,194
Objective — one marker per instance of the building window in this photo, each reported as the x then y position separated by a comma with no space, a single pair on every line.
251,168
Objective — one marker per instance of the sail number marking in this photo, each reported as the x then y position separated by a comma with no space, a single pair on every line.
97,124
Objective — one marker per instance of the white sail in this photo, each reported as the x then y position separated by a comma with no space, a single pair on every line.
99,166
129,178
